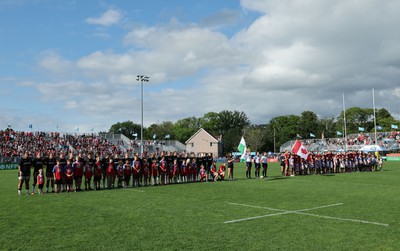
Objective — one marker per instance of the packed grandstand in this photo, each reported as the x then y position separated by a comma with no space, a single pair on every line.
14,143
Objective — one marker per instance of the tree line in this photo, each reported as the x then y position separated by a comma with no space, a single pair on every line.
232,125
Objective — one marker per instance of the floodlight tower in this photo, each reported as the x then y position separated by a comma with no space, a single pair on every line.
141,78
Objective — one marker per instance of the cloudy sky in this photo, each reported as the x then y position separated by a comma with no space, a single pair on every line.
74,64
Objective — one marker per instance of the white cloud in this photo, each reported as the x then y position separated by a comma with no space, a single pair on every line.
108,18
52,62
298,55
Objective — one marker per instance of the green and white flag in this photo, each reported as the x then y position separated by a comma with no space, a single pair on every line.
242,147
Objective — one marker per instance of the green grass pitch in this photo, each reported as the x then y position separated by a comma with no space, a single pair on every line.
355,211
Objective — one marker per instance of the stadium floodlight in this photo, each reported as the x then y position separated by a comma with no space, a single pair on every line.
142,78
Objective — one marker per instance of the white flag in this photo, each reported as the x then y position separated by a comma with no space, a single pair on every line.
242,147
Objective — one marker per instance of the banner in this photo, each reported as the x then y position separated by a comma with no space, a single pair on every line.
8,166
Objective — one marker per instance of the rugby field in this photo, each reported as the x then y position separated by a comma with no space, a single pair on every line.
355,211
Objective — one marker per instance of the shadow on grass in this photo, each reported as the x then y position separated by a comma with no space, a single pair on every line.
277,178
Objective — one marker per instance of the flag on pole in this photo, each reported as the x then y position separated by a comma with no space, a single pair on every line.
154,136
361,129
312,135
300,149
134,134
394,127
298,136
167,136
242,147
379,128
339,133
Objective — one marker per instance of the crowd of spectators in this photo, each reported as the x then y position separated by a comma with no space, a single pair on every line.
15,143
389,140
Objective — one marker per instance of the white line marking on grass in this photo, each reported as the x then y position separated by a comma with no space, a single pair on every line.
301,211
282,211
344,219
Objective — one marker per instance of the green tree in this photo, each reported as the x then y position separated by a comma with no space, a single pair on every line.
255,136
127,128
308,123
183,129
286,128
357,117
211,123
160,130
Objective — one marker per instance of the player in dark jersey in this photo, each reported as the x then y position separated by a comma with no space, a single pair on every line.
88,170
97,173
69,175
120,173
63,163
231,161
24,172
50,162
136,172
78,173
104,166
116,160
37,165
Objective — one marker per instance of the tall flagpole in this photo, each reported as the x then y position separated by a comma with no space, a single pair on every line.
373,102
345,130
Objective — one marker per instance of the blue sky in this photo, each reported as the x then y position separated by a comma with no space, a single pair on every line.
74,63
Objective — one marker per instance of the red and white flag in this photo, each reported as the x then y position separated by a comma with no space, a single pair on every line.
300,149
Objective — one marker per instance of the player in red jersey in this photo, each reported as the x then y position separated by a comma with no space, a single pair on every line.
40,181
78,173
127,172
120,174
154,171
69,175
110,174
97,173
57,175
136,171
163,170
203,174
221,171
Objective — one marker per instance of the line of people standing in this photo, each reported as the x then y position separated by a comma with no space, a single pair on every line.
89,172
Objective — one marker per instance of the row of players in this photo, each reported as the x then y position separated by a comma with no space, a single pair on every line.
61,172
292,164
